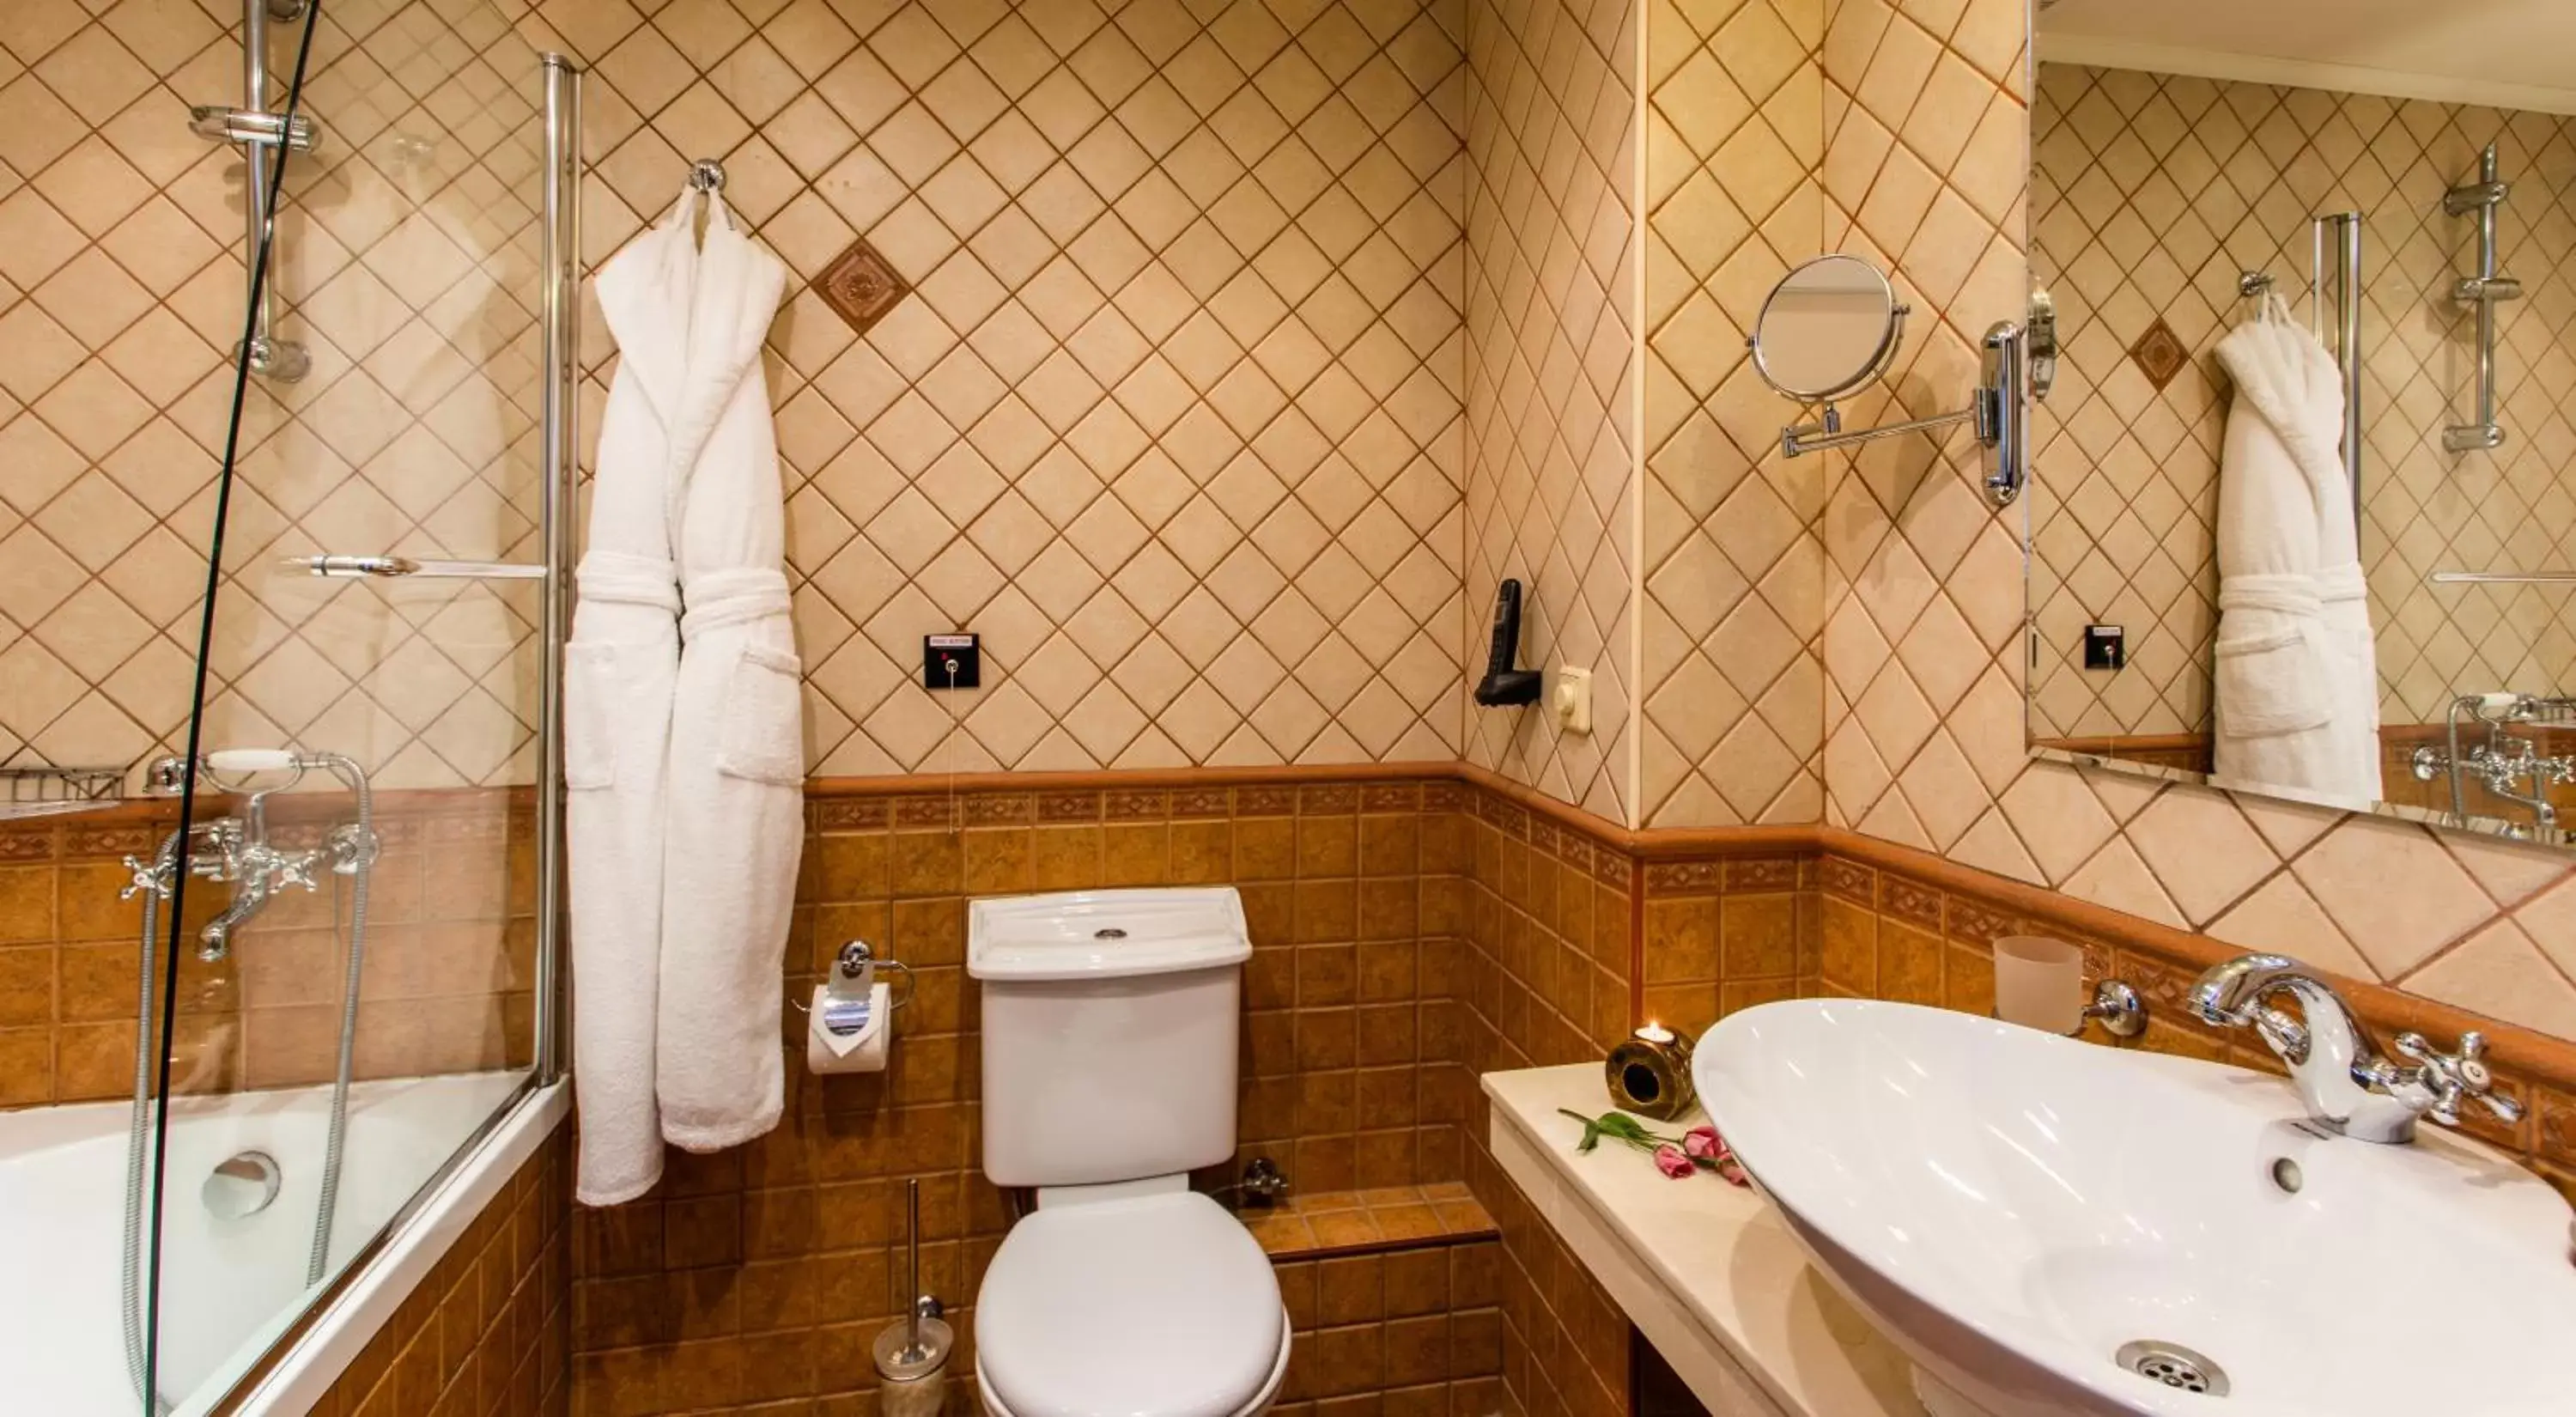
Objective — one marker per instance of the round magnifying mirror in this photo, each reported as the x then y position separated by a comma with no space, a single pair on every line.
1826,328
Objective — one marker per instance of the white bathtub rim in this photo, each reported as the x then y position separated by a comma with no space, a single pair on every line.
297,1380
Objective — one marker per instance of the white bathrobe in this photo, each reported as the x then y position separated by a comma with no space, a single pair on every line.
2297,677
734,826
687,427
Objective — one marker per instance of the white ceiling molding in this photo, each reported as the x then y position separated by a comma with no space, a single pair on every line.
2510,54
2103,52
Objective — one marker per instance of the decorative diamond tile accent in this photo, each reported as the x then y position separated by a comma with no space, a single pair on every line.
2159,354
861,287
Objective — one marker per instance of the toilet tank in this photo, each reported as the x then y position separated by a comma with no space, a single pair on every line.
1109,1024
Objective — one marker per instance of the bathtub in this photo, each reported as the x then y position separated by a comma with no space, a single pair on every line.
231,1288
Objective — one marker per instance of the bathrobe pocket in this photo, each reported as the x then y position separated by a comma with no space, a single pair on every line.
764,716
593,688
2273,683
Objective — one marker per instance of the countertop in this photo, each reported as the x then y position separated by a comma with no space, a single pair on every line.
1705,1270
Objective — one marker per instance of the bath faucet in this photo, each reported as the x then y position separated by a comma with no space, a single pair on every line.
236,850
258,871
2348,1086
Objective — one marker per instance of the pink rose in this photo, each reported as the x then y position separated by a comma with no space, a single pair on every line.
1702,1144
1674,1162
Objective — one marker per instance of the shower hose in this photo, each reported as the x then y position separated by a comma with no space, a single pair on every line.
139,1127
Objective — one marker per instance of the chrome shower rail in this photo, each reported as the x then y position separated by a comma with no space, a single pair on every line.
559,256
260,132
2481,292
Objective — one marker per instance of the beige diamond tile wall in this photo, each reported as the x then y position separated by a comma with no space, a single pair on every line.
1172,416
2151,193
407,252
1733,617
1925,162
1203,300
1551,328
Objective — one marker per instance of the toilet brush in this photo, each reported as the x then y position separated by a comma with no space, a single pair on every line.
912,1354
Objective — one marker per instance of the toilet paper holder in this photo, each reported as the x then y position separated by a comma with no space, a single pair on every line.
848,989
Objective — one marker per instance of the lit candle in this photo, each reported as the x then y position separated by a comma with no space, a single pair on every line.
1655,1033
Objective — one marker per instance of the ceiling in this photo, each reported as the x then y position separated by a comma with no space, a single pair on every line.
2507,53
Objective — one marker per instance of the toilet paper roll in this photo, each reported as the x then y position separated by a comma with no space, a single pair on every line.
862,1052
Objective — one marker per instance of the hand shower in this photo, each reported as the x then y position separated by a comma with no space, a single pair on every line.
237,850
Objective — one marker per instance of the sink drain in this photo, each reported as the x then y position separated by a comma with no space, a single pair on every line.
2173,1365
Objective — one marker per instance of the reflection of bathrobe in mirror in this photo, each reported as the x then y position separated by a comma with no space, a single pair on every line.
688,426
2297,678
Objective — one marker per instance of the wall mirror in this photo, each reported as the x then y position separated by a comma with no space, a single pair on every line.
2304,508
1826,329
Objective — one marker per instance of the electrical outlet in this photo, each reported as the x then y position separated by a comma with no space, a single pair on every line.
1570,699
951,662
2105,647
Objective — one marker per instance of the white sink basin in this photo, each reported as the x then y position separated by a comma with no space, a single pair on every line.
2014,1209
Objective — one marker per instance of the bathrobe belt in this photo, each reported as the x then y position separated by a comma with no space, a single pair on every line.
2282,595
2293,594
719,598
617,578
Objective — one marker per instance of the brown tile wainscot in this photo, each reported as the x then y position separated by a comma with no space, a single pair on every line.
1414,925
451,952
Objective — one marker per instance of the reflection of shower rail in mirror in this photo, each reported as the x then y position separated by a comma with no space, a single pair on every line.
2480,292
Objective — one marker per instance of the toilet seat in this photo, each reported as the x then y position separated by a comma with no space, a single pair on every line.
995,1407
1155,1305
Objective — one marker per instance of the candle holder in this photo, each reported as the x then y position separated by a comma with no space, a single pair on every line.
1649,1073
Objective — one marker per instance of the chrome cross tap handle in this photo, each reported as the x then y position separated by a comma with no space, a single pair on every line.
2453,1077
153,877
296,869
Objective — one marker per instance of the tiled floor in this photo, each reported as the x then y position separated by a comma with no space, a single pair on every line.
1328,1222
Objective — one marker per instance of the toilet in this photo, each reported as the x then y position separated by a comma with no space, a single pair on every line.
1109,1023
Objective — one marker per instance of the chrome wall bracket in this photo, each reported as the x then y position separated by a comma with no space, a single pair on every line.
251,127
2040,339
2120,1009
1999,411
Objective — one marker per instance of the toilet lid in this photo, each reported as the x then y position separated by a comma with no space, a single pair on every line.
1147,1306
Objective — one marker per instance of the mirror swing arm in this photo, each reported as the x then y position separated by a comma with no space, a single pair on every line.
1840,298
1998,411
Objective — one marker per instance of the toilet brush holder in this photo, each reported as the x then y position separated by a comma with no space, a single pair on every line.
912,1367
912,1352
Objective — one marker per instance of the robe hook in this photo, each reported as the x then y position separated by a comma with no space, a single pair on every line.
706,175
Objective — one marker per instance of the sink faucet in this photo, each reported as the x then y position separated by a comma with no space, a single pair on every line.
2347,1084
